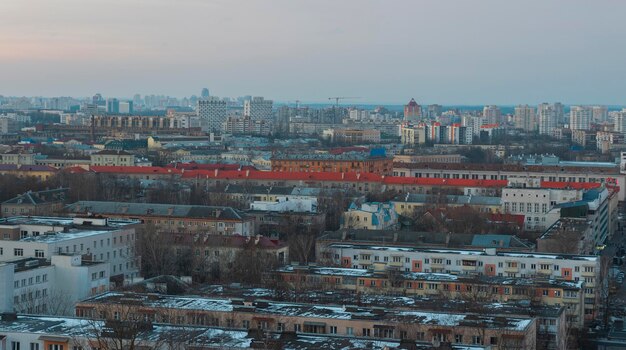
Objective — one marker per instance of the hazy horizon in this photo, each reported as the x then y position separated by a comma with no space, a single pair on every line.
446,52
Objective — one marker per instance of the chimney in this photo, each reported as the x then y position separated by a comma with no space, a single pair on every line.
216,170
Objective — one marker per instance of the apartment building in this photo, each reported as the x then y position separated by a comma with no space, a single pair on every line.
412,325
171,217
39,203
97,239
572,174
487,262
441,286
44,332
375,162
112,158
40,286
407,204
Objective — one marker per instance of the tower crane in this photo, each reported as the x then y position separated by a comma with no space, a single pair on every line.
340,98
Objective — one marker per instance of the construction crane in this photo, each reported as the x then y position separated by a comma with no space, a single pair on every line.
340,98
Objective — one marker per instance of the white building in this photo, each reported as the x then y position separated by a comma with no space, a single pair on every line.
580,117
111,241
259,108
548,118
526,118
600,113
212,114
524,196
487,262
287,204
619,121
35,285
492,114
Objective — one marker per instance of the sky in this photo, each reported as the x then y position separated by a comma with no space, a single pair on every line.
383,51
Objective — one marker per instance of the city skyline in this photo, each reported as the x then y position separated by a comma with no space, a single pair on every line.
448,52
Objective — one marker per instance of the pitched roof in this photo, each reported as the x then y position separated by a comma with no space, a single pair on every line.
39,197
154,209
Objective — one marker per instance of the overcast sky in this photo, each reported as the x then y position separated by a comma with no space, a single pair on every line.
387,51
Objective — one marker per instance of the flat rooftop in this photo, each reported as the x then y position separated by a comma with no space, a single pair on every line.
435,277
423,303
58,229
264,307
399,250
205,337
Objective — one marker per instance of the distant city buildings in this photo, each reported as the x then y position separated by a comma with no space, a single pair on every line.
580,117
525,118
259,108
211,113
113,106
352,136
204,93
548,118
412,111
433,111
492,114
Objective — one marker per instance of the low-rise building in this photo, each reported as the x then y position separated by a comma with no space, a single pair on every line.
45,332
353,136
441,286
370,216
40,203
412,325
112,158
487,262
407,204
171,217
375,162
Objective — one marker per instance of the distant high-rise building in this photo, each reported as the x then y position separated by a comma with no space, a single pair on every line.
492,114
137,100
204,93
98,100
619,121
433,111
113,106
126,107
560,114
600,113
259,108
525,118
412,111
548,118
211,113
580,117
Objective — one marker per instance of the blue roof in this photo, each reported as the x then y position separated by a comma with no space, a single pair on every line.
491,241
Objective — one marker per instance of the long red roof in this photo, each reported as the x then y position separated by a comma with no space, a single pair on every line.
250,174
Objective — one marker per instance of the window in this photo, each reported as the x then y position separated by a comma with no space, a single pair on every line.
297,327
349,331
493,340
38,253
477,339
55,347
246,324
366,332
15,345
18,252
332,329
458,338
34,346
